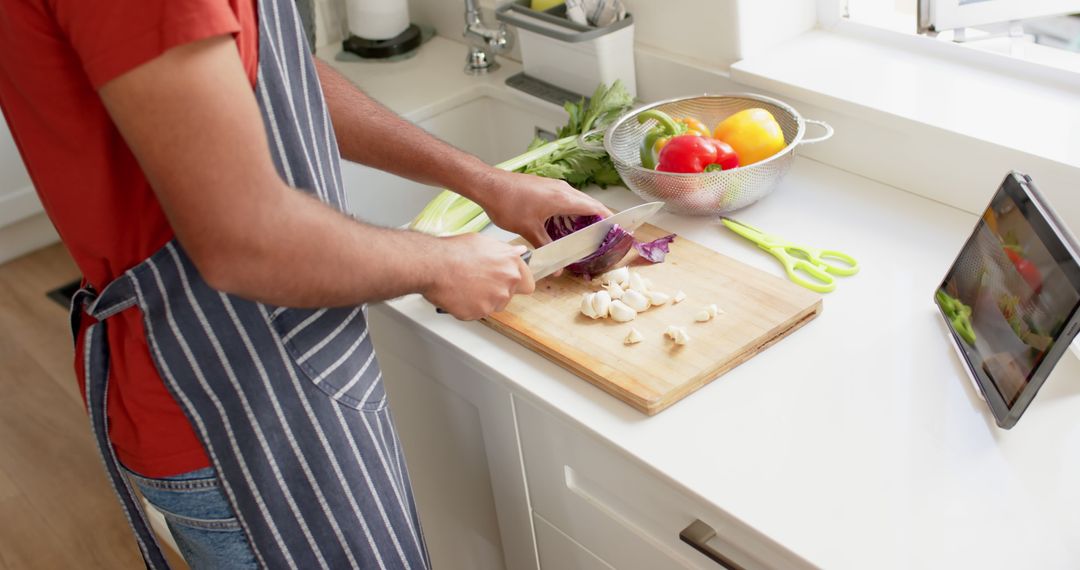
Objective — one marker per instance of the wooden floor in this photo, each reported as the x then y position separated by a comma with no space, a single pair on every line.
57,510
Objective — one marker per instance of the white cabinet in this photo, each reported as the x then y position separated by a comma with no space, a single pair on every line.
623,513
471,445
460,444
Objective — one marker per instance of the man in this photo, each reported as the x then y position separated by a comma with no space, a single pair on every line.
187,152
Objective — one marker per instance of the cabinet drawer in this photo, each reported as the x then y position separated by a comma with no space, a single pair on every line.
559,552
625,514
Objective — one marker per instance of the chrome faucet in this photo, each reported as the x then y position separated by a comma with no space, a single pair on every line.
484,42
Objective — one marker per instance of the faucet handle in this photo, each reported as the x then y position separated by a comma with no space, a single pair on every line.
503,40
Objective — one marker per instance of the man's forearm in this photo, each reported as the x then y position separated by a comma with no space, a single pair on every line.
371,134
298,252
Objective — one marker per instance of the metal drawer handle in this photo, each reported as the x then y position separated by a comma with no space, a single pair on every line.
698,535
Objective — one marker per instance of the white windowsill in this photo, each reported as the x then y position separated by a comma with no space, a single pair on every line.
881,78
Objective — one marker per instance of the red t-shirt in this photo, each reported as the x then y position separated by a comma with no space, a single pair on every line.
54,55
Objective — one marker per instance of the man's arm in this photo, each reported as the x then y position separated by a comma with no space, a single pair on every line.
371,134
191,119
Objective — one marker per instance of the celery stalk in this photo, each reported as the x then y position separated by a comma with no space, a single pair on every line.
451,214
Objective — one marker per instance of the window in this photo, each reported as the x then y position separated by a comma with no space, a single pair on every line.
1041,31
941,15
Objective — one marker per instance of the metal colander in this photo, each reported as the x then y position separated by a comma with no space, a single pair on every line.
707,193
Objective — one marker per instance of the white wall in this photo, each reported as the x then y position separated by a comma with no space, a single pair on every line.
14,182
766,23
330,23
710,33
23,226
703,30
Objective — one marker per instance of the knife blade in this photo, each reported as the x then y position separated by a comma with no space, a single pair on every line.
544,261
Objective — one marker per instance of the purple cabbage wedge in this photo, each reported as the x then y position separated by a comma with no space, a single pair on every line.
655,250
615,245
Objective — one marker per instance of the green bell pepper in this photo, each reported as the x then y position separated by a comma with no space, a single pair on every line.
665,128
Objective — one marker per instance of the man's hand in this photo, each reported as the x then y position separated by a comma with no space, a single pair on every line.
520,203
477,275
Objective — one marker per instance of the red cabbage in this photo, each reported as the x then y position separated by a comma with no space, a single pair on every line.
655,250
615,245
562,226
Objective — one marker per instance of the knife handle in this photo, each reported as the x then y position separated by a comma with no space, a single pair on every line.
524,257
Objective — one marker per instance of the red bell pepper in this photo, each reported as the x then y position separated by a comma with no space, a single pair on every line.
694,153
726,158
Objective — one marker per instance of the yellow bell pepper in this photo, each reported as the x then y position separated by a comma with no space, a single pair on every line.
753,133
694,126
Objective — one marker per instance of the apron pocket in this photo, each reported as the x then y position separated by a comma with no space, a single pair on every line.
333,349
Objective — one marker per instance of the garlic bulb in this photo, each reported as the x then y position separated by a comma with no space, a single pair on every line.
679,297
618,276
677,334
600,303
632,337
614,290
636,300
657,298
620,312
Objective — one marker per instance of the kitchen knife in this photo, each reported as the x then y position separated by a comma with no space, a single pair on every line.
544,261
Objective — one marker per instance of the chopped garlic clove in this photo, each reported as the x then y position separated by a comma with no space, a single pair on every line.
637,283
618,276
587,305
713,310
702,316
679,297
677,335
636,300
614,290
620,312
657,298
600,302
633,337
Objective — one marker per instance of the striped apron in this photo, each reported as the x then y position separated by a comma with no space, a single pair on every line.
288,403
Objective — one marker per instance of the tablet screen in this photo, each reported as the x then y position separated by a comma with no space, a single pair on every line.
1011,292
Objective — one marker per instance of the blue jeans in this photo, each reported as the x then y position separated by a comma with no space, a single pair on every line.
200,519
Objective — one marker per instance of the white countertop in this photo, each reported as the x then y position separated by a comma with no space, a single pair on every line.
857,442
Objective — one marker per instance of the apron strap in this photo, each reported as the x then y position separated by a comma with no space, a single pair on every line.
96,372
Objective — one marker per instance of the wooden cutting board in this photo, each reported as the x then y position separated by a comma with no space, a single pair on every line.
759,310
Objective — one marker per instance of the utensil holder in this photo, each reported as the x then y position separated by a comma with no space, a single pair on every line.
569,55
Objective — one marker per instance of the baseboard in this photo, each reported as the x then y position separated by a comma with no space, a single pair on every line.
26,235
18,205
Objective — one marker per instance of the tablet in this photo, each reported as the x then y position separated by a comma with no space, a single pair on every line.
1012,296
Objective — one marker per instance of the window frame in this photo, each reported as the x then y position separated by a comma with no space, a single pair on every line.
942,15
831,18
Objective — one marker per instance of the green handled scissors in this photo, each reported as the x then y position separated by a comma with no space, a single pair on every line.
810,267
